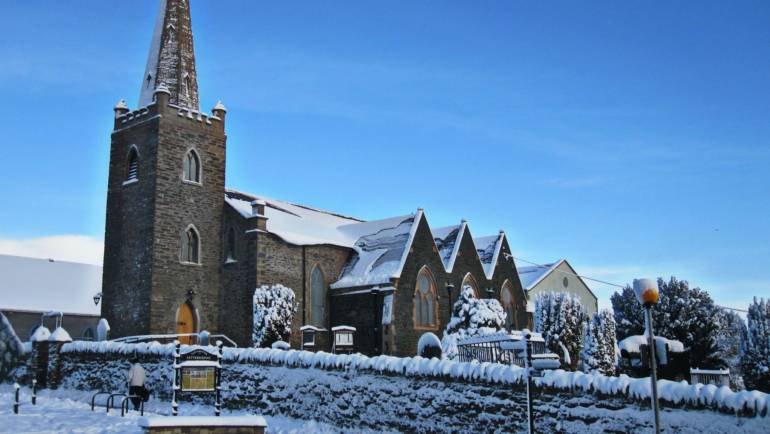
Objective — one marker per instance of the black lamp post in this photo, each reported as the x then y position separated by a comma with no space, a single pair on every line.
449,288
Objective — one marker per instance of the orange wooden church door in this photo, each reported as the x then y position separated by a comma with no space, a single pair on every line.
185,323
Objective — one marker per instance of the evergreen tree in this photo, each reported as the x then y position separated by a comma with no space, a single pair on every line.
10,348
471,317
599,344
629,317
683,313
559,317
274,309
730,337
755,359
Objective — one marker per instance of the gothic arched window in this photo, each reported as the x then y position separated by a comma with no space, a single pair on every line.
470,281
231,244
132,165
191,167
317,298
190,246
506,300
425,302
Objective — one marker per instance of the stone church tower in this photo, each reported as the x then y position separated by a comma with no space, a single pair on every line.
165,195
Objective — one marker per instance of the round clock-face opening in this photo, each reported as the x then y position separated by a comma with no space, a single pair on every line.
565,282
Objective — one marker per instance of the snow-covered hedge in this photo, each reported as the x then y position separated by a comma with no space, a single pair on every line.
632,389
672,392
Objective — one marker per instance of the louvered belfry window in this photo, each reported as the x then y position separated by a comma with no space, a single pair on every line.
133,166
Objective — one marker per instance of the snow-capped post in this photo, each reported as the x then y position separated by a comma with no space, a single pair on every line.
528,370
16,400
218,373
647,293
174,405
34,392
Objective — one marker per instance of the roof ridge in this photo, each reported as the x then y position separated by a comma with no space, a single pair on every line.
309,208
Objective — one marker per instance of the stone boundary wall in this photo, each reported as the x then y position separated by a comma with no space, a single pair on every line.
405,394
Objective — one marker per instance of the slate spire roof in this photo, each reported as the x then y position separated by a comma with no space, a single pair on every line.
171,60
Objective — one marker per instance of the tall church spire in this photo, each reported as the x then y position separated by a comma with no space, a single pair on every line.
172,57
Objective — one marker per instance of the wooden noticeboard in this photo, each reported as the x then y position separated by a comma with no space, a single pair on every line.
197,371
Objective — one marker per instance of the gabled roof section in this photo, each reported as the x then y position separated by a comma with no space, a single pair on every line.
380,251
300,225
489,251
47,285
534,274
448,243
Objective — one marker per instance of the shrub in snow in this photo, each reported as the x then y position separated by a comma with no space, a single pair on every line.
683,313
599,344
559,317
274,308
429,346
471,317
102,330
756,354
280,345
10,347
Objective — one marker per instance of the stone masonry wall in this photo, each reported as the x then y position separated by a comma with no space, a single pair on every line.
364,398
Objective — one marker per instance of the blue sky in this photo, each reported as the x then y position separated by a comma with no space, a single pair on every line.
631,138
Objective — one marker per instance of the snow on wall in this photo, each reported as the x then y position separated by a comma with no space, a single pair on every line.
418,369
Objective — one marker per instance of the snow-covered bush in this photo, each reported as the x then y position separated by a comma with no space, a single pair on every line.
756,355
683,313
599,344
559,317
274,308
471,317
10,347
429,346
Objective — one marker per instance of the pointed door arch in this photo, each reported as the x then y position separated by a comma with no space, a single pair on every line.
186,322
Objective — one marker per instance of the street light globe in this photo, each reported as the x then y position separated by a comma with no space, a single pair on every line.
646,291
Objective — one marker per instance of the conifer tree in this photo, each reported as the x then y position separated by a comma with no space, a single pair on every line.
471,317
599,344
274,309
629,318
755,359
559,317
731,334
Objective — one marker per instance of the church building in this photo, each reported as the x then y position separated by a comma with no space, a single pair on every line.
184,253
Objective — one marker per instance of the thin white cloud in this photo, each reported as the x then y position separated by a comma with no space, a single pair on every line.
71,248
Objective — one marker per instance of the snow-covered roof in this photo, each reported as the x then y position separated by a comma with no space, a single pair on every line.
632,344
379,252
298,224
448,243
532,275
49,285
489,250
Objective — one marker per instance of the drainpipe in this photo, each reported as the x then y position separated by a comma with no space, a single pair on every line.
304,285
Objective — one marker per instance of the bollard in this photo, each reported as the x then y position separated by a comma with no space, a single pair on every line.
34,392
16,401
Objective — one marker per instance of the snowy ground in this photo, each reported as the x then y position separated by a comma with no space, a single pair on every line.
68,411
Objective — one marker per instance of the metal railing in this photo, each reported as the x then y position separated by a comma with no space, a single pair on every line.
496,348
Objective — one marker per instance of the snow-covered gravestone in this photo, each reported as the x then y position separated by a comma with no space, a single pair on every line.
429,346
274,309
102,330
10,347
